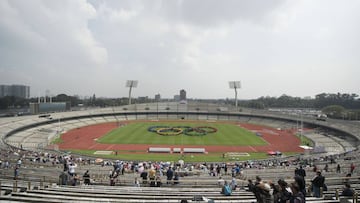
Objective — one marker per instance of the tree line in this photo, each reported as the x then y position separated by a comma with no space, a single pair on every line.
348,101
12,102
336,105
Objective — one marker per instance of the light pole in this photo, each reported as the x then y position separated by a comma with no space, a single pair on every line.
59,126
235,85
130,84
301,124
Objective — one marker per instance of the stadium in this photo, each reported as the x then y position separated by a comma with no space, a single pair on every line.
31,140
70,131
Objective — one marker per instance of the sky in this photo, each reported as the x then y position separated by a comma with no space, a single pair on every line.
273,47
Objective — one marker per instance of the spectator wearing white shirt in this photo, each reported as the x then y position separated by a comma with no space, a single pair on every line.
221,182
19,163
72,167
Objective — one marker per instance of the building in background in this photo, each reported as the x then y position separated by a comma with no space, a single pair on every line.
20,91
182,95
177,97
37,108
182,98
142,99
157,97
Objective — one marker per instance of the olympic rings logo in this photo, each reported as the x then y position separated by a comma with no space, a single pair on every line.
178,130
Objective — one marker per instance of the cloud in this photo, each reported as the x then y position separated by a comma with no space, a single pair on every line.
212,12
86,47
37,28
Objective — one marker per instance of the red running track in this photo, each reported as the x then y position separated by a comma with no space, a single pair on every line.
84,138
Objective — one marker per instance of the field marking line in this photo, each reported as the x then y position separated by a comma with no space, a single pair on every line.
110,147
252,148
93,146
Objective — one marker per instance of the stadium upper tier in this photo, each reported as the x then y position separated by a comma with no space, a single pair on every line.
37,129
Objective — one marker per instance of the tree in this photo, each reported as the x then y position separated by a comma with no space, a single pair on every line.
13,102
334,111
256,105
73,100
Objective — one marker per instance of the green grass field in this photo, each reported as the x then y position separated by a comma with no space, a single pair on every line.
305,141
137,133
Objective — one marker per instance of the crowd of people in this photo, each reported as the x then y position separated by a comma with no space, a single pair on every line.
295,191
152,173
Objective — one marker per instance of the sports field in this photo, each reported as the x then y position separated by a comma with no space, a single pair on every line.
131,140
226,134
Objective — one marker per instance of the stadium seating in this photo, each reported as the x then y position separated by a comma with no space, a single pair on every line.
38,181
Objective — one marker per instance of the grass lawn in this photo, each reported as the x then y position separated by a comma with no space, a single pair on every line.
137,133
57,140
305,140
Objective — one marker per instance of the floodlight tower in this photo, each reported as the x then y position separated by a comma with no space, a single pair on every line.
130,84
235,85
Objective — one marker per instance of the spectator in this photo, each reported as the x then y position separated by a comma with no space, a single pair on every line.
152,183
315,169
169,175
158,181
276,192
16,172
301,183
72,167
66,166
296,171
326,168
221,182
218,169
226,190
136,182
347,191
352,168
18,163
233,172
251,186
262,190
152,174
338,168
144,175
256,190
63,178
302,172
176,178
297,196
237,170
86,178
285,191
7,164
122,169
112,181
75,179
317,182
332,160
257,180
212,170
347,178
233,183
